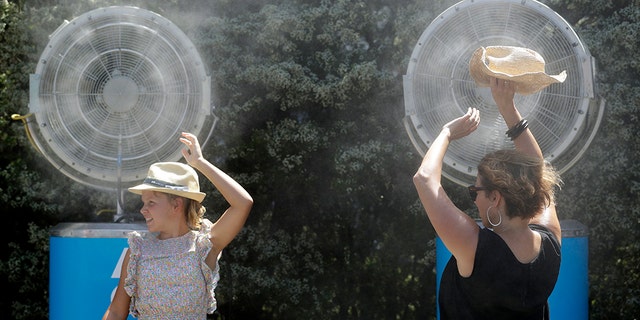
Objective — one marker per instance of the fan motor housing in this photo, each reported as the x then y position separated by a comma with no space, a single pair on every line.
112,92
438,87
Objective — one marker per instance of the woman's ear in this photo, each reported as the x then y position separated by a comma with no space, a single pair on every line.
177,203
496,197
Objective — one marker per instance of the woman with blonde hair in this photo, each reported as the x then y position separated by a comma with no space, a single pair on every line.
172,272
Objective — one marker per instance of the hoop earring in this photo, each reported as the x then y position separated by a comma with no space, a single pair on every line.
489,218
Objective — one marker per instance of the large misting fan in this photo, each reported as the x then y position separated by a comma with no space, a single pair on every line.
112,91
438,88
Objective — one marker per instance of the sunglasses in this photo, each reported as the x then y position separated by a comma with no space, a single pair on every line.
473,191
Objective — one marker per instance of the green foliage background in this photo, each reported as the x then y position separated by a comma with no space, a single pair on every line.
309,94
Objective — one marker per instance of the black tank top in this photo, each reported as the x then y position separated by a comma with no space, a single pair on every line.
500,286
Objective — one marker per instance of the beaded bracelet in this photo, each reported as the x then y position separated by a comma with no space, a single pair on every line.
518,129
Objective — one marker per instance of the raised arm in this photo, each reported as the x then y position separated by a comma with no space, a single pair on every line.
457,230
503,93
240,202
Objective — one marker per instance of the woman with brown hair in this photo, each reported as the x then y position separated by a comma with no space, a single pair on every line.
508,269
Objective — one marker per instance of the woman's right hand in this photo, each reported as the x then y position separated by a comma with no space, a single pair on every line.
463,126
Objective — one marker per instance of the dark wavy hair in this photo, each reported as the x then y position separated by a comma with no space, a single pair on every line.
527,183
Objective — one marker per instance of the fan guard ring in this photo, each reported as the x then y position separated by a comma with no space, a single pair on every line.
438,88
111,93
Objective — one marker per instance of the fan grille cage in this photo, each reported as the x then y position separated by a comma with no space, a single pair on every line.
438,87
113,90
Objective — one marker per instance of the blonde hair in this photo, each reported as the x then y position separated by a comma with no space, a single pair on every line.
526,183
193,211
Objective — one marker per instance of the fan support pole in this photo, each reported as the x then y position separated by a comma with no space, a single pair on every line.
120,215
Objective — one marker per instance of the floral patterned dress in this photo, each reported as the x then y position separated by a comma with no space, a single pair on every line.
169,279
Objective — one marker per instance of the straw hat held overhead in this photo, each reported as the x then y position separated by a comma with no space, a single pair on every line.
523,67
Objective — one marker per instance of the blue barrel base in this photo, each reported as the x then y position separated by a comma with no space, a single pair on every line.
84,267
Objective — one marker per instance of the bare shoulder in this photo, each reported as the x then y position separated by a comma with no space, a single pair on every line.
548,219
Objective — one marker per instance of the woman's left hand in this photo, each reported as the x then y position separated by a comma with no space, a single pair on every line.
503,92
464,125
193,153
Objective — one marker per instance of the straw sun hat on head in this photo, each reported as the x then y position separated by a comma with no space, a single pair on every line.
171,177
524,67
